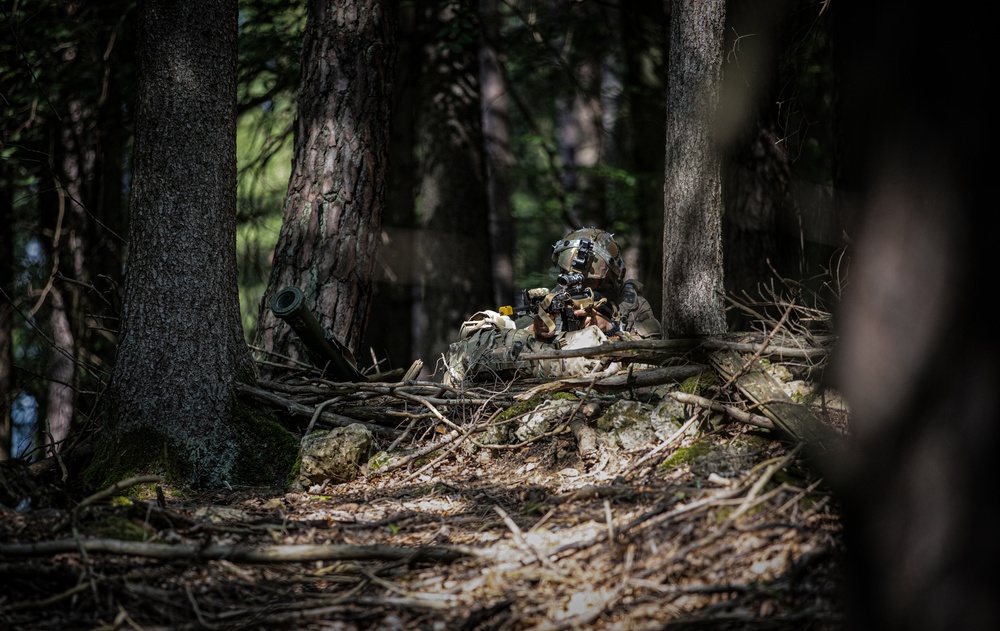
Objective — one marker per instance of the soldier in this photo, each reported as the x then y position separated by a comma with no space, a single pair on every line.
592,304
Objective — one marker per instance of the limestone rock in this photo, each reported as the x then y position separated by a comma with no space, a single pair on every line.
334,456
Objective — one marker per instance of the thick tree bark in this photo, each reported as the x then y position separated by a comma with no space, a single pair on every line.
181,346
331,230
693,301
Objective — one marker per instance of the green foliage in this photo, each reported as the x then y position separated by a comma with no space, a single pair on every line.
270,46
460,32
270,50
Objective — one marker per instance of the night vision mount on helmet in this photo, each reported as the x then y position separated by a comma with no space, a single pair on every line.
593,253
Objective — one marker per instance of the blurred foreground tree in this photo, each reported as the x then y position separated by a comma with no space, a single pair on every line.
915,359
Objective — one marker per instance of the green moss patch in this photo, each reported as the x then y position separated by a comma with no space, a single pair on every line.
688,455
142,451
115,527
700,383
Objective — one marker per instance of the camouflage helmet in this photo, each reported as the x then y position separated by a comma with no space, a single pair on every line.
593,253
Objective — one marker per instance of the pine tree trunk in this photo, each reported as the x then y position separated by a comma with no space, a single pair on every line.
331,230
693,300
181,345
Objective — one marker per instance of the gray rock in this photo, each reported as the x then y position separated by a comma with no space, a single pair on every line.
334,456
630,424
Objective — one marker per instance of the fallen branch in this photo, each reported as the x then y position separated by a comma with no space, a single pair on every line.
744,417
237,554
297,409
665,349
794,419
118,486
618,382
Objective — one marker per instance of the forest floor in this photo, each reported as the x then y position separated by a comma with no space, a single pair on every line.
724,526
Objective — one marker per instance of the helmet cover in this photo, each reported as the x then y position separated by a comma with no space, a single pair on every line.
593,253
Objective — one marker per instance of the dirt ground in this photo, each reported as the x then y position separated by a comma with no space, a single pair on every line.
724,526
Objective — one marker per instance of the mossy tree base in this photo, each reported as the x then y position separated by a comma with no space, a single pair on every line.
265,453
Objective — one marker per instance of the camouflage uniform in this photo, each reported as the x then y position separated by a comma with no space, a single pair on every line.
492,344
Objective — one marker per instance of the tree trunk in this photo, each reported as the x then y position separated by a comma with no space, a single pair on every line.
181,345
499,159
68,223
693,301
454,249
331,230
7,394
390,331
917,477
61,373
579,113
644,41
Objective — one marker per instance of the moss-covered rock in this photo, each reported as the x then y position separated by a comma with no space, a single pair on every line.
334,456
705,456
543,418
500,432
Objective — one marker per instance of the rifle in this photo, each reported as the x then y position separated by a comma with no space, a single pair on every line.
557,308
326,352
